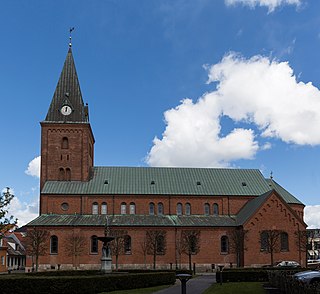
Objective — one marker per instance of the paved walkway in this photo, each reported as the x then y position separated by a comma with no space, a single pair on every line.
194,286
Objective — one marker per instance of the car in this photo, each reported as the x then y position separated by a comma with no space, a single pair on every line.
310,277
288,263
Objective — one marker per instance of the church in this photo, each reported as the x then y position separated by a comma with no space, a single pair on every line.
226,214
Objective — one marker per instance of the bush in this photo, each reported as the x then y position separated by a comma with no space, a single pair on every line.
34,284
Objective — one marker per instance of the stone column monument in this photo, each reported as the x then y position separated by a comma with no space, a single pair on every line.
106,259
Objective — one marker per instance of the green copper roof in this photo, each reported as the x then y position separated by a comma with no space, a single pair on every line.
133,220
165,181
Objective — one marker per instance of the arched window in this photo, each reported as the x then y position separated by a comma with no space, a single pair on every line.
215,209
95,208
188,209
160,244
65,143
104,208
179,209
61,174
193,243
127,244
54,244
160,208
284,241
123,209
224,244
132,208
68,174
151,208
206,209
264,241
94,244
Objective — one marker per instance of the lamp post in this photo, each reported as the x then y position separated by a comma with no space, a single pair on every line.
184,278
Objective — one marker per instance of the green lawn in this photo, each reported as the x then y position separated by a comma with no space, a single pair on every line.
139,291
239,288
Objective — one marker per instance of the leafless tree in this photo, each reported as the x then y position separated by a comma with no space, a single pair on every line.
36,244
117,245
269,240
143,249
6,223
179,250
190,243
237,244
74,246
156,244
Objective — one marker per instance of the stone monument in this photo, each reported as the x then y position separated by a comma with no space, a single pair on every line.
106,259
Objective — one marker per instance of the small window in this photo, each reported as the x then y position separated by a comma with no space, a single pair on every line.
188,209
68,174
132,208
94,244
127,244
264,241
64,206
207,209
151,208
160,208
123,209
215,209
65,143
95,208
104,208
224,244
61,174
160,244
54,245
284,241
179,209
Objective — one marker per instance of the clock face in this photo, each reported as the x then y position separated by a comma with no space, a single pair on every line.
66,110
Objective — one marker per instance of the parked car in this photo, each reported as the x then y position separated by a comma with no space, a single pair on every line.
313,263
309,277
288,263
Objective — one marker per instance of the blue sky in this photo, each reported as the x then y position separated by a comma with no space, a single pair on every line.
229,83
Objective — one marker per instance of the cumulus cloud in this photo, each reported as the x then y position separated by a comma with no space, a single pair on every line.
259,92
312,216
33,168
270,4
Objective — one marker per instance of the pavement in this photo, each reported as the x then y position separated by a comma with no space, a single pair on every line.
194,286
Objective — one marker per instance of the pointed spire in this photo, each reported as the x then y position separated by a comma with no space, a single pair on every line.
67,103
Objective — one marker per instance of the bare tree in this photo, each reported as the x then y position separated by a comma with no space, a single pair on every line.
143,249
156,244
74,246
36,244
190,243
179,250
269,240
6,223
117,245
237,244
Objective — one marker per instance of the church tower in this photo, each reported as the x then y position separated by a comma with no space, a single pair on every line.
67,142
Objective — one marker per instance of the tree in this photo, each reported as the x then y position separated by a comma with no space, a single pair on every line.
6,223
36,244
156,244
304,241
269,240
117,245
179,250
74,246
143,249
190,243
237,244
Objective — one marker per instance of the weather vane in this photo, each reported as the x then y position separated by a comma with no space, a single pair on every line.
70,31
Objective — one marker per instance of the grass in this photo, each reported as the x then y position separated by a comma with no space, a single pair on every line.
239,288
140,291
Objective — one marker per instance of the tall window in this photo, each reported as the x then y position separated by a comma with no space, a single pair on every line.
206,209
215,209
61,174
65,143
179,209
123,209
95,208
127,244
94,244
188,209
264,240
68,174
151,208
104,208
160,244
224,244
54,244
284,241
132,208
160,208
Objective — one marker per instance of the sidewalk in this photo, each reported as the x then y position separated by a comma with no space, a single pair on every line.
194,286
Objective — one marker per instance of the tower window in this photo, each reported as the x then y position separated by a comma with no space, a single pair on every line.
104,208
207,209
95,208
151,208
61,174
123,209
160,208
68,174
132,208
188,208
179,209
215,209
65,143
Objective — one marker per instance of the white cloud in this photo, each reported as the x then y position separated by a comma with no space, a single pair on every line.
34,167
258,91
270,4
312,216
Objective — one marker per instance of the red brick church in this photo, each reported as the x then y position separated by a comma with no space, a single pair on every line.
227,212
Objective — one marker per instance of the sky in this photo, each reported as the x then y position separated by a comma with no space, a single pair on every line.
225,83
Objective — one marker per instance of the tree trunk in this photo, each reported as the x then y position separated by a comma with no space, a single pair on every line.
190,261
117,255
37,262
154,259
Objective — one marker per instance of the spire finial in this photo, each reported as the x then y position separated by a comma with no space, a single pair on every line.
70,31
271,175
